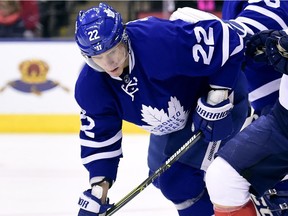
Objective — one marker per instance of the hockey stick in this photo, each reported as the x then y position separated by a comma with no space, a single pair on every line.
156,174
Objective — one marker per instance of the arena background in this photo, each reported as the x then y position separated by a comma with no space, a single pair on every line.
38,74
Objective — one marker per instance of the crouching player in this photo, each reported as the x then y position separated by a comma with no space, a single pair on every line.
256,159
160,75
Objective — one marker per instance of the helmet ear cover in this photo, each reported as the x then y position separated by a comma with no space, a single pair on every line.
98,29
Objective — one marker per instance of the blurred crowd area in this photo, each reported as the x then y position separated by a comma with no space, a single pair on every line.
56,19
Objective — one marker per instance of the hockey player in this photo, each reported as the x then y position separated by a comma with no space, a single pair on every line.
255,16
256,159
154,73
263,81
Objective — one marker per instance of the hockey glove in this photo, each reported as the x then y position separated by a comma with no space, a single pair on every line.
90,205
255,46
277,51
214,121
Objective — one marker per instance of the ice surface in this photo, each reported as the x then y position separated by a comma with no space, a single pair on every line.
42,175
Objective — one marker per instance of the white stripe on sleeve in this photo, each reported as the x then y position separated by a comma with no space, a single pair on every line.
225,43
252,22
267,13
104,155
238,48
264,90
94,144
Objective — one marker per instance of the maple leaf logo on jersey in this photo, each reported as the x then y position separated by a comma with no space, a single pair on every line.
161,123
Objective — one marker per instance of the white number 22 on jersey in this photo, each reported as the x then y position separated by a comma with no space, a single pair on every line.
208,39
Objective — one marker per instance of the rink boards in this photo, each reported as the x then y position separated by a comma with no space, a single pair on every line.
37,87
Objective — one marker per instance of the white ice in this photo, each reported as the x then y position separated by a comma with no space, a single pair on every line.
42,175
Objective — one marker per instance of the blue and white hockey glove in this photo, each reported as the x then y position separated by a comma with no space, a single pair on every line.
90,205
212,117
277,51
255,46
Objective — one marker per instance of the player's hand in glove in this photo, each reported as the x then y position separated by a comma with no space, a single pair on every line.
212,117
255,46
90,203
277,51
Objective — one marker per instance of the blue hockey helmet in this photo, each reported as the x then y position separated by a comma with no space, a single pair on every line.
98,29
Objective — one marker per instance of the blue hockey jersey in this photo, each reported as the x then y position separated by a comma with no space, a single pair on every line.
259,15
171,65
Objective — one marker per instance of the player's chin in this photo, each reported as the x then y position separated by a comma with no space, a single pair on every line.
116,72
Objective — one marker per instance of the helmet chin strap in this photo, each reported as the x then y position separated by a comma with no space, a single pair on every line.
92,64
125,55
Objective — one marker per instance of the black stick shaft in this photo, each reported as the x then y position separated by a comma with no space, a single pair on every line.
156,174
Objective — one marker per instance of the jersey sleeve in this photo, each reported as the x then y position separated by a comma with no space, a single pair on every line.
217,52
100,130
207,49
258,15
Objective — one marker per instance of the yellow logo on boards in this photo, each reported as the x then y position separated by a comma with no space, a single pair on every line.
33,78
